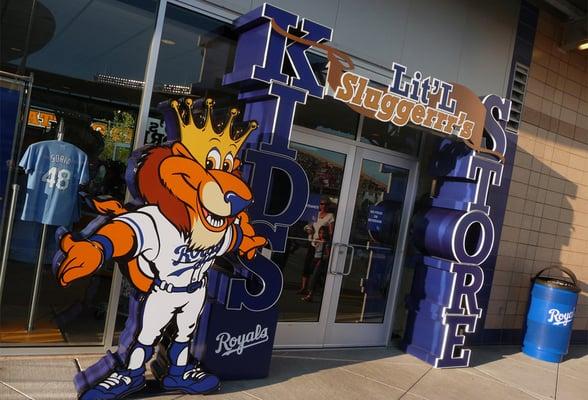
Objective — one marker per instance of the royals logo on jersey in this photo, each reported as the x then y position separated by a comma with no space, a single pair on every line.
194,203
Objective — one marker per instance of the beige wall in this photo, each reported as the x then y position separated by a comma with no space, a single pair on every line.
546,221
464,41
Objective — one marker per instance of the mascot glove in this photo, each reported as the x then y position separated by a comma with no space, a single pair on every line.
249,245
82,258
250,242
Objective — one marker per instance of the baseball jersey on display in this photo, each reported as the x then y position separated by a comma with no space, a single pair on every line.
55,169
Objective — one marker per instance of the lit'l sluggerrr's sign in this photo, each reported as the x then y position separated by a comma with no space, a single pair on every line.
406,102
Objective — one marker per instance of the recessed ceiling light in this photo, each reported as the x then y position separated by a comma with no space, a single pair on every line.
168,41
583,45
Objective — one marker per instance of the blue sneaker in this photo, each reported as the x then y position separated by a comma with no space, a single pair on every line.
192,381
117,385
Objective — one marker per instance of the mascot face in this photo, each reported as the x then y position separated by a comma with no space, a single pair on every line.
199,190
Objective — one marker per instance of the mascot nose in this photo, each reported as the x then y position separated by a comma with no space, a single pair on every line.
237,203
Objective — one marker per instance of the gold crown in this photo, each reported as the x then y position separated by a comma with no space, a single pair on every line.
200,138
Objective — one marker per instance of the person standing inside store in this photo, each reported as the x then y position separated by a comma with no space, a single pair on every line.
323,219
322,251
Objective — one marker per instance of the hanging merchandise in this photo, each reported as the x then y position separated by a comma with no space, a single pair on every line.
55,170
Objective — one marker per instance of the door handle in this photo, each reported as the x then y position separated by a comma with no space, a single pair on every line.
344,273
348,272
331,258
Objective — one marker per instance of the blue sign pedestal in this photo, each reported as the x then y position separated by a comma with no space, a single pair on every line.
241,351
431,292
234,344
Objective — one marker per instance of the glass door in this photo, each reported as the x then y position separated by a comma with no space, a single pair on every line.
306,297
367,267
341,264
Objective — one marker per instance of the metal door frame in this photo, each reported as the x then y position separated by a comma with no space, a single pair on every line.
366,334
289,333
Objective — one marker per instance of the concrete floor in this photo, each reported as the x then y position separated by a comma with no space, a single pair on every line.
365,374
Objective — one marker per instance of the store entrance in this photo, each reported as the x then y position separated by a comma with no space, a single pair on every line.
342,261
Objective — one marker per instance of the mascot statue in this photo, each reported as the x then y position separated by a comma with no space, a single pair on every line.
192,210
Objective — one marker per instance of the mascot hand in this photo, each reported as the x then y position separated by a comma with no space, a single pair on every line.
250,244
81,259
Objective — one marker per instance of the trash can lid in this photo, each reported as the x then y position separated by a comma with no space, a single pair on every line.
557,283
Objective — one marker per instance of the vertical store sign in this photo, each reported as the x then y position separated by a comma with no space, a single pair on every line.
271,98
457,235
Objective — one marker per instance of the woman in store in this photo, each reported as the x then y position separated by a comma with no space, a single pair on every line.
322,250
323,219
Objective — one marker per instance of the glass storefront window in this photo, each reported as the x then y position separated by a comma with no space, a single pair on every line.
405,139
304,263
86,40
329,116
326,115
194,54
88,60
374,233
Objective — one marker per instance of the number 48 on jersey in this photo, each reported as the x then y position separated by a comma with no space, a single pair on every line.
57,178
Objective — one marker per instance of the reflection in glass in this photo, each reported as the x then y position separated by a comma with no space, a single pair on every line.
305,262
89,60
404,139
194,54
374,232
328,115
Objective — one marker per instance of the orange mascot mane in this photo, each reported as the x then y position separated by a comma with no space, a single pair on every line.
155,192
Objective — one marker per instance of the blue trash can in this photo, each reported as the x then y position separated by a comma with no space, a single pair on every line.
550,316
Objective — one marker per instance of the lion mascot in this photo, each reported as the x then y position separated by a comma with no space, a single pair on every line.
193,210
